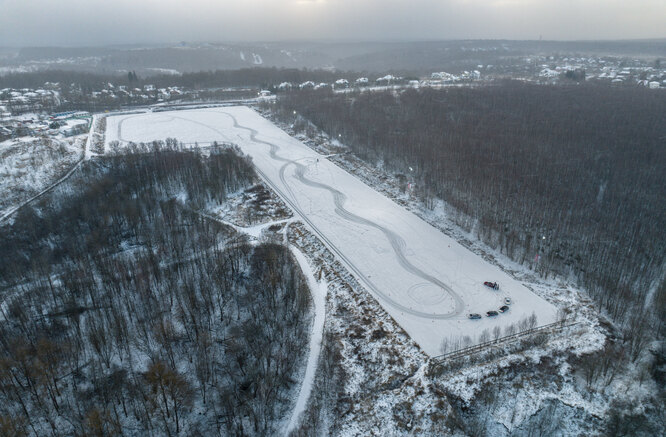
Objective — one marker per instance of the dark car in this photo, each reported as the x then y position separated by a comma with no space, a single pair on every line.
492,313
474,316
504,309
493,285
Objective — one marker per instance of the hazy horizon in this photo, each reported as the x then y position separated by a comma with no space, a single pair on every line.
321,41
78,23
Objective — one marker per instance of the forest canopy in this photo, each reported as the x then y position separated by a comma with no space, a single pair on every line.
126,312
565,179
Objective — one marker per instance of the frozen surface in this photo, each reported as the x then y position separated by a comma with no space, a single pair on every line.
423,278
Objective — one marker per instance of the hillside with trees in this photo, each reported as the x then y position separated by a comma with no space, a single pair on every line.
568,180
126,313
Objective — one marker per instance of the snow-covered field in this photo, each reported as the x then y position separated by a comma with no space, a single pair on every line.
426,280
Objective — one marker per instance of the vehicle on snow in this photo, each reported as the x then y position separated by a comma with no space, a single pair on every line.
507,301
474,316
493,285
503,309
492,313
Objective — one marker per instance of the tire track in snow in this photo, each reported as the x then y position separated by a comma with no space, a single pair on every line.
397,243
339,198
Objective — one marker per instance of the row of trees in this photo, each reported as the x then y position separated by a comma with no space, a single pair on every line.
127,313
564,179
244,77
76,88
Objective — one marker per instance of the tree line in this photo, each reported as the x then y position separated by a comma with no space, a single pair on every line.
126,313
244,77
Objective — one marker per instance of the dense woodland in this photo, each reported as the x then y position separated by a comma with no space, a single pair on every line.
568,180
245,77
125,313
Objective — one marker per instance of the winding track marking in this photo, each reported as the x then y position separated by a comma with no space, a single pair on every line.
339,198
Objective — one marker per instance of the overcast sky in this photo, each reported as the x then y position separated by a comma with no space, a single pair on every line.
99,22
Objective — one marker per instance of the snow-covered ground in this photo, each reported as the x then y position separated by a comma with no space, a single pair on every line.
318,290
426,280
30,165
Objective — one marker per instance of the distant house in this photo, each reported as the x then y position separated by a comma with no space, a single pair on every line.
386,80
342,83
265,93
443,76
307,85
653,85
547,72
75,128
361,81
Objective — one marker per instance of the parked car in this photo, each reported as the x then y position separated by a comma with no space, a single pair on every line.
504,309
474,316
493,285
507,301
492,313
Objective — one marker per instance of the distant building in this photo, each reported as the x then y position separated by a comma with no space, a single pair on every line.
388,79
342,83
443,76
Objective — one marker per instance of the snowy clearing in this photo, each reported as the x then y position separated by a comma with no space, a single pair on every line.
426,280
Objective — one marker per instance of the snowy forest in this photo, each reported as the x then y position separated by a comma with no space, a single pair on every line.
127,313
567,180
244,77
